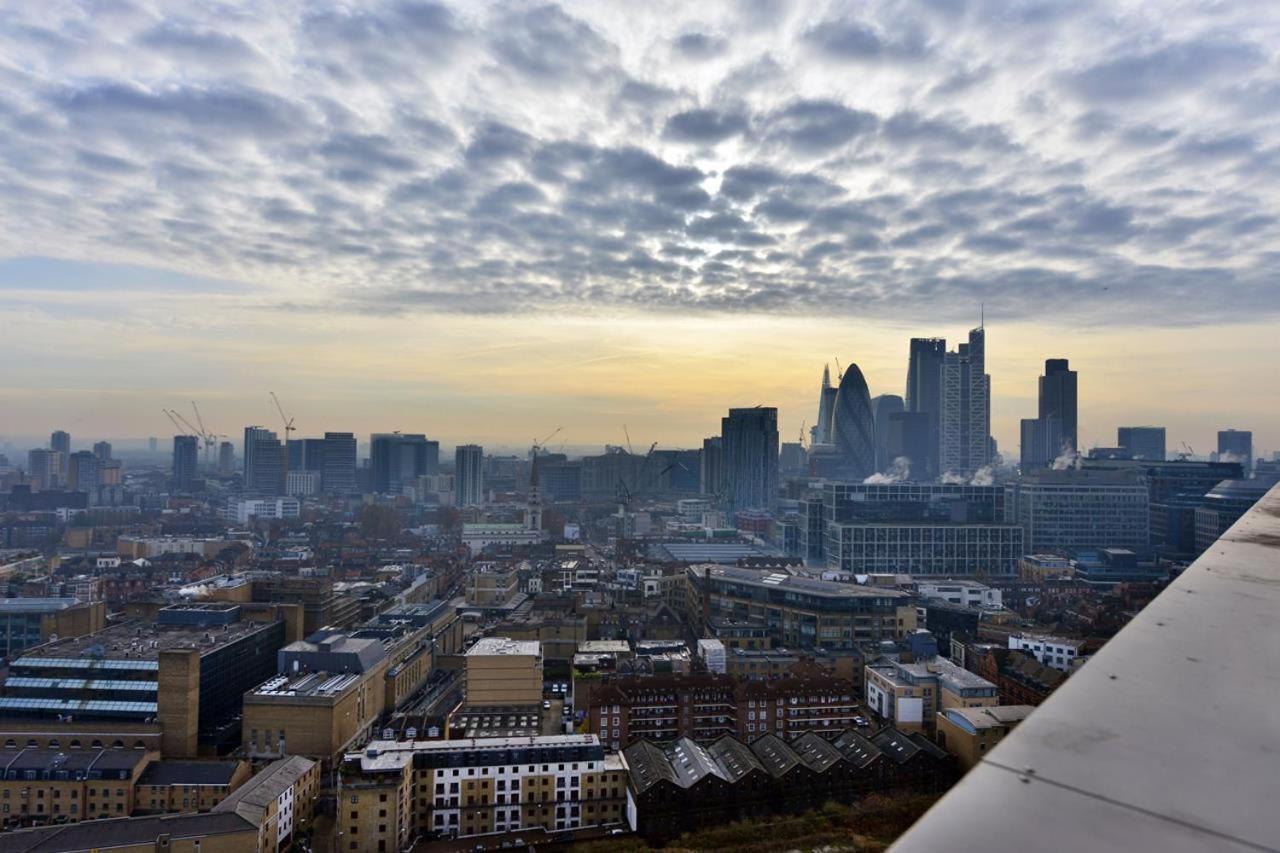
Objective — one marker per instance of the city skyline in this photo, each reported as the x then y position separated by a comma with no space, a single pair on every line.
455,218
1192,412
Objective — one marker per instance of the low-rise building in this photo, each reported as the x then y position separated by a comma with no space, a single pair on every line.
909,694
44,784
970,733
681,786
28,622
1057,652
280,801
394,791
187,786
502,671
967,593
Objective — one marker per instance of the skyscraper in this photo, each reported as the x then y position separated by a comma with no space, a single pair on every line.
911,437
882,408
338,477
42,469
60,440
750,440
82,472
1041,442
102,450
226,457
965,426
468,478
711,465
1058,400
264,462
854,426
821,432
924,396
186,453
1143,442
398,459
1236,445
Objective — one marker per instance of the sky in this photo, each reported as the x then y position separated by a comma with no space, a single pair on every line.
483,221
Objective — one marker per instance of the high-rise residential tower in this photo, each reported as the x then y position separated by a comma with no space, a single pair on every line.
102,450
264,461
924,397
750,438
186,454
468,477
338,476
1058,400
42,469
711,467
1143,442
82,472
965,427
854,426
60,440
226,457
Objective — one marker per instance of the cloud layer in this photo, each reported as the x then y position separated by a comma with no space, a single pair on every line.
893,159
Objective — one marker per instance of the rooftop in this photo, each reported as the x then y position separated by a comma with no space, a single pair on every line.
251,800
308,684
121,832
792,583
189,773
487,646
991,717
137,640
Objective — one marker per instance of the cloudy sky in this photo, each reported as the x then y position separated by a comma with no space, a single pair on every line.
486,220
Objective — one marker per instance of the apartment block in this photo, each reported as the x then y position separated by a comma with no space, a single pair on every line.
909,694
970,733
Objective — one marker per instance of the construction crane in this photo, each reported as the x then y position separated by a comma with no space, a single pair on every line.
210,441
288,428
627,433
540,446
190,429
839,370
182,430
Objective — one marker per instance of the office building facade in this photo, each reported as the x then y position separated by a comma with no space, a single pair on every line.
186,455
1058,401
468,478
1077,510
965,428
1143,442
750,442
1235,445
398,459
854,426
264,461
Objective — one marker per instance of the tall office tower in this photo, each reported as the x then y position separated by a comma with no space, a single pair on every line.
791,458
1041,443
153,444
264,460
1236,445
468,477
82,472
854,426
306,454
965,428
226,457
338,476
711,467
821,431
750,441
1058,400
1142,442
924,396
60,441
102,451
42,469
910,436
882,407
398,459
186,455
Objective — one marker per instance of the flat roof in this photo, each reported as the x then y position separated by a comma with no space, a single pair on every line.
308,684
795,583
991,716
189,773
489,646
137,640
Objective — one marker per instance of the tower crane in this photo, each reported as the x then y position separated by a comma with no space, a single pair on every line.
210,440
288,428
839,370
176,425
539,446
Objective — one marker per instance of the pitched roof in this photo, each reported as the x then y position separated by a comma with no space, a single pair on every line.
189,773
121,832
252,799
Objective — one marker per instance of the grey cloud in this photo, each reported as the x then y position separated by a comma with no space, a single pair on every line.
199,44
547,43
705,125
699,45
234,110
1164,71
854,40
817,126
